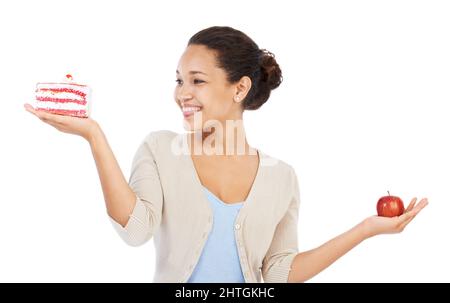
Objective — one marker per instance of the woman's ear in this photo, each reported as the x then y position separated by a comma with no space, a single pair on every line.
242,88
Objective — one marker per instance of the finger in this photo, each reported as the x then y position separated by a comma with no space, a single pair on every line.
57,121
405,217
411,204
41,114
413,212
29,109
48,117
55,125
404,224
420,205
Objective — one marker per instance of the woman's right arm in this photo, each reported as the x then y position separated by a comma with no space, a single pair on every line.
119,197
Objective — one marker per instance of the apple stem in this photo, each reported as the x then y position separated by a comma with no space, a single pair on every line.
388,193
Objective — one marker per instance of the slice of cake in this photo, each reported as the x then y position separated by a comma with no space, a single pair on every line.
64,98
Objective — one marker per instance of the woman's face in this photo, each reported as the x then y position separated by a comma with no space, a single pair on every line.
203,92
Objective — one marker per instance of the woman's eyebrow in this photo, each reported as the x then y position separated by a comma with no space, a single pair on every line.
193,72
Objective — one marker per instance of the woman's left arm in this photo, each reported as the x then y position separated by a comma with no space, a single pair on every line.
309,263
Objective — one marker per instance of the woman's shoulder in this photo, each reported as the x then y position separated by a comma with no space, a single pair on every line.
159,137
163,143
278,168
279,177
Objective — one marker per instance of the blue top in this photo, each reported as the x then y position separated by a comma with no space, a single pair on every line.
219,261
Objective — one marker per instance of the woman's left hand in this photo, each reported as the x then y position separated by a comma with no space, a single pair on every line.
376,225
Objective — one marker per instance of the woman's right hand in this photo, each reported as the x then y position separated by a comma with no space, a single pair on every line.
84,127
119,197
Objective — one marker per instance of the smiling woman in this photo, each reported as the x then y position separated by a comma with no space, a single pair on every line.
222,211
217,82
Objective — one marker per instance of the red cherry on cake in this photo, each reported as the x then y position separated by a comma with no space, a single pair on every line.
69,76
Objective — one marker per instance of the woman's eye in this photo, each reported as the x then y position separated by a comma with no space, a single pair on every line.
196,81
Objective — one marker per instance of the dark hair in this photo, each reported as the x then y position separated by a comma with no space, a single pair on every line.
240,56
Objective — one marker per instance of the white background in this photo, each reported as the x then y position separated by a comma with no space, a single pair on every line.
363,109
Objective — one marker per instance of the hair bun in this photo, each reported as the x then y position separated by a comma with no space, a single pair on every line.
270,78
271,72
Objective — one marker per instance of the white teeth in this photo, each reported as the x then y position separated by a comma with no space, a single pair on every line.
191,109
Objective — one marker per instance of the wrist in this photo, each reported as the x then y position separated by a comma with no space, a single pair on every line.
365,229
93,132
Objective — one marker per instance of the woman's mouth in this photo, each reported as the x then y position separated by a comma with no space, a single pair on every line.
190,110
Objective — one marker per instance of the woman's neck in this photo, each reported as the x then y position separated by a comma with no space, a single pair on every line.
219,140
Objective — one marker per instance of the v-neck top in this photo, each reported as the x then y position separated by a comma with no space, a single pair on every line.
219,260
172,208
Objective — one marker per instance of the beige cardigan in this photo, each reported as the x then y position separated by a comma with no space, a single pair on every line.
172,207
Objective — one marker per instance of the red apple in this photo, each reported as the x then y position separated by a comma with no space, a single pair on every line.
390,206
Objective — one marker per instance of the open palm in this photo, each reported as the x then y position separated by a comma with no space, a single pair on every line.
376,225
67,124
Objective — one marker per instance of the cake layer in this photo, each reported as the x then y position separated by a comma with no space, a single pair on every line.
60,105
70,86
65,112
63,98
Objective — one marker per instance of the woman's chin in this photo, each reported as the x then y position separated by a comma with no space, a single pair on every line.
190,127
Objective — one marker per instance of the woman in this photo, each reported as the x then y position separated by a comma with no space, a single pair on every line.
218,209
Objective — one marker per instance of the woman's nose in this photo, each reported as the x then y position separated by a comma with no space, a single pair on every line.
184,95
185,98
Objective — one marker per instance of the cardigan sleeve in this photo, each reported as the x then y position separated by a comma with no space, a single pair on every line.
284,247
145,183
